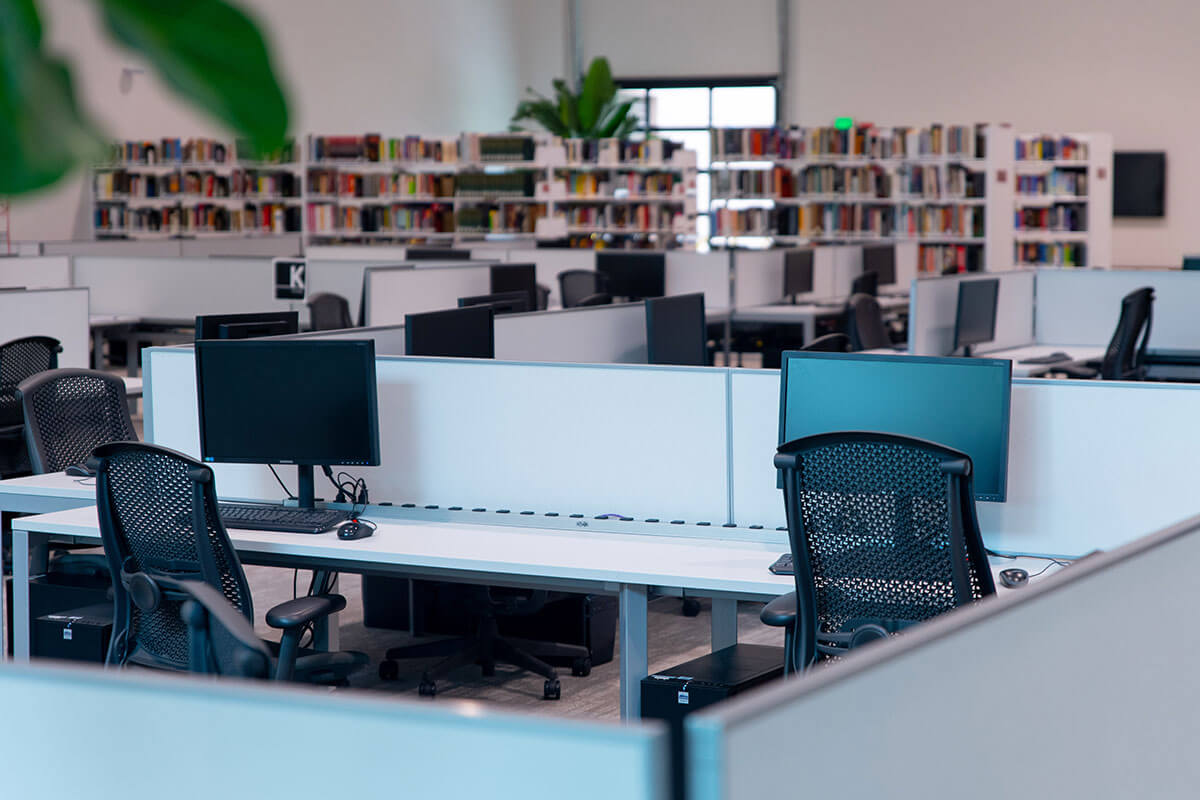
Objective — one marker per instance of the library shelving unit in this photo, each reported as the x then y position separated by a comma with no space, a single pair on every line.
368,189
1063,200
194,188
947,188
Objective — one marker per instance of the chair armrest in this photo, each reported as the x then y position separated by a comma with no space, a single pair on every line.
303,610
780,612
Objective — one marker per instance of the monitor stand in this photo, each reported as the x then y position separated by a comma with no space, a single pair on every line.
306,488
967,351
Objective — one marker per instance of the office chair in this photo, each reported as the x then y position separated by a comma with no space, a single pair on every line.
543,297
883,535
20,359
329,312
69,413
598,299
1125,358
864,324
575,285
865,283
829,343
486,647
158,521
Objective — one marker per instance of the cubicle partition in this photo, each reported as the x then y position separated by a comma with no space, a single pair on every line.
35,272
758,274
706,273
548,262
390,293
1078,686
933,308
141,734
61,313
613,334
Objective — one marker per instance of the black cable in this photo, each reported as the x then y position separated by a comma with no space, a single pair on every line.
286,490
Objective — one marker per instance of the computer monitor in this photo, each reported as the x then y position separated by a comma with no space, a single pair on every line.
797,272
676,332
435,254
880,259
975,320
456,333
515,278
246,326
632,274
502,303
288,402
957,402
865,283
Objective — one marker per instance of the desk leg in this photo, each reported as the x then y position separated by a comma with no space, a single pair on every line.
97,348
21,555
327,633
635,663
131,355
724,623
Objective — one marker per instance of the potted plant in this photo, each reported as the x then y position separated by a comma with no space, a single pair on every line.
594,113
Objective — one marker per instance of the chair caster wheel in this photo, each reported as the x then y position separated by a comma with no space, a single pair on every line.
427,689
388,670
581,667
691,607
552,690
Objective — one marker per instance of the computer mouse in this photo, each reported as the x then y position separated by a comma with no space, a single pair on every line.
354,529
79,471
1014,577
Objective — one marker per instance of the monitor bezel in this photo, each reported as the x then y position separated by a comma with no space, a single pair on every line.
959,307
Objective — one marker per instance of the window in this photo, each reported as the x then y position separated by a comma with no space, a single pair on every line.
687,110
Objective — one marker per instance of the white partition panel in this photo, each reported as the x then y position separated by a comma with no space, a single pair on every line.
636,440
389,339
933,307
61,313
178,288
391,293
35,272
275,246
906,262
1081,307
138,734
114,247
372,254
1082,685
342,276
614,334
758,277
754,435
688,272
549,261
847,265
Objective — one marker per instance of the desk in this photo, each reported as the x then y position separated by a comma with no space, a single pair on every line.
629,565
132,329
806,314
1077,352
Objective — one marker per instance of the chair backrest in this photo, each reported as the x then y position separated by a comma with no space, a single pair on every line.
883,533
1125,358
829,343
864,323
71,412
19,359
329,312
576,284
158,517
598,299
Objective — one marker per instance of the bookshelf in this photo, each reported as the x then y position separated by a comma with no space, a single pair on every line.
194,188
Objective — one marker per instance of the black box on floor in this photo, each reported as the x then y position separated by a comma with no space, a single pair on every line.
78,634
49,594
672,694
586,619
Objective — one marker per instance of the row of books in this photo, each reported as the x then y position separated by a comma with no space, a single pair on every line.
503,219
327,218
864,140
642,217
632,183
1057,254
201,217
487,147
279,183
1056,181
1045,148
851,220
615,151
417,148
503,184
169,151
942,180
423,184
1066,217
941,259
123,183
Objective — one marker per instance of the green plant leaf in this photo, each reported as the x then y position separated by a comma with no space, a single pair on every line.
43,134
543,112
211,54
568,106
598,88
614,116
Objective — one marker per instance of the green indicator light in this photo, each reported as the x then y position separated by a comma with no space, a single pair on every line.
843,123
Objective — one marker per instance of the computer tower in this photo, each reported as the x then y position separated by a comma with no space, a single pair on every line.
78,634
672,694
55,593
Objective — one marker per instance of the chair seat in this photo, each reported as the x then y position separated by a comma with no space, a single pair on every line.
319,666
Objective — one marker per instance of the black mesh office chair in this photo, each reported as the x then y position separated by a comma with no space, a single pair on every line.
864,323
158,521
598,299
1125,358
329,312
829,343
20,359
883,535
69,413
575,285
487,646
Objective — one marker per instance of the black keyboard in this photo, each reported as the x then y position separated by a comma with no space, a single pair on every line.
1053,358
783,565
279,518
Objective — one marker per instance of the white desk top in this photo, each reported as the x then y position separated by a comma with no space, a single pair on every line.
1019,370
52,484
108,320
786,312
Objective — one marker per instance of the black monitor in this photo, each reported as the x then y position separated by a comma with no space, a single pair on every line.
456,333
515,278
1139,184
975,321
676,332
501,303
865,283
435,254
957,402
246,326
880,259
288,402
633,274
797,272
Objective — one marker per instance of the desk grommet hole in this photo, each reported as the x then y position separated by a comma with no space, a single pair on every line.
454,508
477,510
